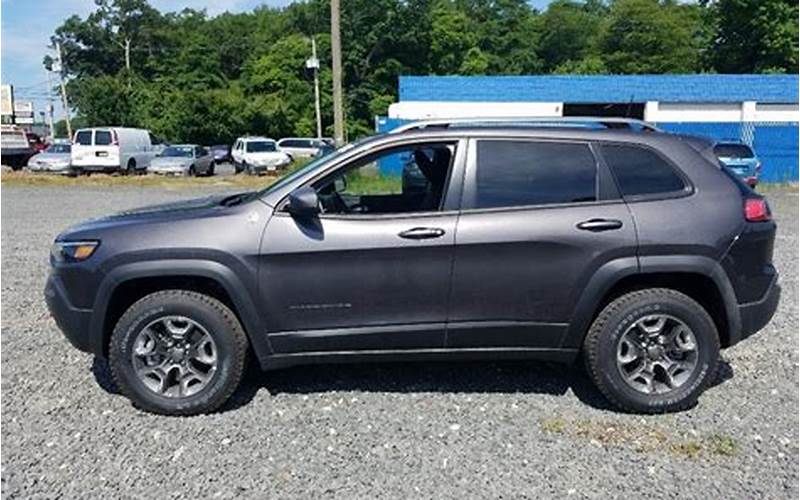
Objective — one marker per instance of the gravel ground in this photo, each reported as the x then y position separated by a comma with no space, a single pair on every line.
423,430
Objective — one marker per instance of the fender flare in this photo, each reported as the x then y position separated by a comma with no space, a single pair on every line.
233,286
609,274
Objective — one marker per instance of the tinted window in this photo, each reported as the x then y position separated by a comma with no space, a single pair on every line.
518,173
641,171
102,138
84,137
732,151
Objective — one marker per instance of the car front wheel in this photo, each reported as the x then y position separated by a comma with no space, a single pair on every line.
178,352
652,351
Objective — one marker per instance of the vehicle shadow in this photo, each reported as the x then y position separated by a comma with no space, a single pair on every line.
502,377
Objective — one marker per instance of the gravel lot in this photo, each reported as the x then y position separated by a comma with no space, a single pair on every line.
421,430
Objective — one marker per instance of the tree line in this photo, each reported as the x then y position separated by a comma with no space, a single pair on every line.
190,77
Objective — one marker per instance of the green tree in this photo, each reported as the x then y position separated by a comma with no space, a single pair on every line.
648,36
754,36
569,31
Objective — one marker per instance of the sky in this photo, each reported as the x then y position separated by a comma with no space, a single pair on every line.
28,24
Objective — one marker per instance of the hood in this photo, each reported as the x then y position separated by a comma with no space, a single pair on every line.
174,211
165,162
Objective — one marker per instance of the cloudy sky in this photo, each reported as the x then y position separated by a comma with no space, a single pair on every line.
28,24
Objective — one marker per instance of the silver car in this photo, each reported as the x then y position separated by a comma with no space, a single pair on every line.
54,160
301,147
183,159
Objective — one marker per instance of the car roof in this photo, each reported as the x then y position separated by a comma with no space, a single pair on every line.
256,138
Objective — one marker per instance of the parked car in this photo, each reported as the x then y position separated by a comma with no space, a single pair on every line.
56,159
324,150
112,149
301,147
15,149
36,142
183,159
523,245
741,159
258,155
222,153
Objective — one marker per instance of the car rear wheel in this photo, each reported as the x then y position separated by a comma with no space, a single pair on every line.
178,352
652,351
130,167
211,167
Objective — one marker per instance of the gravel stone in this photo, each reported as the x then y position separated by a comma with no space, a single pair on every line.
429,430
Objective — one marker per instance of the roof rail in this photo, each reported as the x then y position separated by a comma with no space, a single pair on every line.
532,121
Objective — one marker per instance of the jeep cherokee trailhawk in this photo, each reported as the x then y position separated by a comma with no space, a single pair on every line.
595,238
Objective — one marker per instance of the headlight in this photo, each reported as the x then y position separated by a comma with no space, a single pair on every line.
73,251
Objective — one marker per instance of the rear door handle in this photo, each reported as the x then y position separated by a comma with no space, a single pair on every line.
597,225
422,233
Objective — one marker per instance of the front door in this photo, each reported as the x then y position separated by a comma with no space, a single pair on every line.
373,270
538,219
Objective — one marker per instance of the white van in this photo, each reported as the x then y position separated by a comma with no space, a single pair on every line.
111,149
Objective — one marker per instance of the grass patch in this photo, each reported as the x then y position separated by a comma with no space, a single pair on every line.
641,437
243,181
553,425
777,187
720,444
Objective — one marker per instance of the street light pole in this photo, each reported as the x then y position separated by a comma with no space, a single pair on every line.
336,53
313,64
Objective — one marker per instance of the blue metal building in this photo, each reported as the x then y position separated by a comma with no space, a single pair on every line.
760,110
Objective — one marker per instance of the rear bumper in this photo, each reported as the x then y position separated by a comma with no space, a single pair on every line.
756,315
73,321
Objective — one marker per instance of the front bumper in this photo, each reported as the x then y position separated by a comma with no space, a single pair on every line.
73,321
756,315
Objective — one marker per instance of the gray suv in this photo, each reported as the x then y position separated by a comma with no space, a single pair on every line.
605,240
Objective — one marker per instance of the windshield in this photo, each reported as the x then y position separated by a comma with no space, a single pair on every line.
260,147
59,148
177,152
733,151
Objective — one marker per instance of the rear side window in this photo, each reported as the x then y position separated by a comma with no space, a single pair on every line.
519,173
640,171
102,138
84,137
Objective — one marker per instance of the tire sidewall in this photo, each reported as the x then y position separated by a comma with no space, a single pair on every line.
125,336
707,345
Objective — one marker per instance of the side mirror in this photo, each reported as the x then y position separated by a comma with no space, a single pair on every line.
303,202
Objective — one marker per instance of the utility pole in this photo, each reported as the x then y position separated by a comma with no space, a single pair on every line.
60,69
313,64
50,106
336,53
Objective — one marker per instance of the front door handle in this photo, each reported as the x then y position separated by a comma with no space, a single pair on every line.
422,233
597,225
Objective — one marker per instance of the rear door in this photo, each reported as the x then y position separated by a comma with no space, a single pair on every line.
538,219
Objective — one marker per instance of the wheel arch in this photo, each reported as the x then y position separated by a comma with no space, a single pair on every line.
127,284
699,277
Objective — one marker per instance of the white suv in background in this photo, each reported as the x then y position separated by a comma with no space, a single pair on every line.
258,155
301,147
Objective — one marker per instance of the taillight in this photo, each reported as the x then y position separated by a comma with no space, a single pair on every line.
756,210
758,167
115,140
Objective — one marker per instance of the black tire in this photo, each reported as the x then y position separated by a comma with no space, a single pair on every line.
192,171
602,340
247,169
220,323
130,168
211,167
